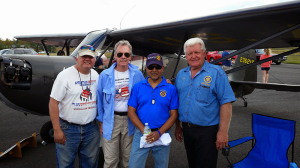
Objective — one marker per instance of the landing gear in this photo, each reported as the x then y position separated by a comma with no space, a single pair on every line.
245,102
47,132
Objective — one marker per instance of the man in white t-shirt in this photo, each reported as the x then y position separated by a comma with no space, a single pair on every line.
73,110
113,92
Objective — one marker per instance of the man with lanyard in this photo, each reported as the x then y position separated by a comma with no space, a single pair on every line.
226,64
205,108
113,92
73,110
155,102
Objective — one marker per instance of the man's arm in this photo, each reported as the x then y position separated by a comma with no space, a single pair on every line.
59,136
225,117
135,119
178,131
167,125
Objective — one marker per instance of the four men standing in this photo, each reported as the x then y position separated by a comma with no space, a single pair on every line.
205,109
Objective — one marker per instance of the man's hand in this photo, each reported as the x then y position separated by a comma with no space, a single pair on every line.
169,81
152,137
178,133
59,137
222,140
101,128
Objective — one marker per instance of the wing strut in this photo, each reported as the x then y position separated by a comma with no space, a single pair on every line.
179,55
262,61
45,48
105,50
255,44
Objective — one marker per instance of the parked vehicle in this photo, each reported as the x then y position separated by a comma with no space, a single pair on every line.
277,61
214,55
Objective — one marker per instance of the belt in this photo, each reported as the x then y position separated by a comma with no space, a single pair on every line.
190,125
154,129
120,113
74,123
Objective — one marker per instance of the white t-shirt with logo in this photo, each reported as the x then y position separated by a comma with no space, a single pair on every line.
121,91
68,89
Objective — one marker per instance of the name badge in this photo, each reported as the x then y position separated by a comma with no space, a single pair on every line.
124,92
85,94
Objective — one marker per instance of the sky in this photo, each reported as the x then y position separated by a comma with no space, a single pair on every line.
32,17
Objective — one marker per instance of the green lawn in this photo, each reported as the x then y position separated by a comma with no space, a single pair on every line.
291,59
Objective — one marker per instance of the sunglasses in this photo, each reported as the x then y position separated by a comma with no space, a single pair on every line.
127,55
151,67
87,47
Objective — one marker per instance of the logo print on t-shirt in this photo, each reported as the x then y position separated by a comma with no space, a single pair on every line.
86,99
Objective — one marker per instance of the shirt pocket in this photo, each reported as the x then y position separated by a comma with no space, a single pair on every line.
203,94
107,97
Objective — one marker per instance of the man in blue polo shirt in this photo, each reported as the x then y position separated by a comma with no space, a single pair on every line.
205,108
155,102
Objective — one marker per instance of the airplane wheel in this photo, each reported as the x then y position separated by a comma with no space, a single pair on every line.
47,132
245,104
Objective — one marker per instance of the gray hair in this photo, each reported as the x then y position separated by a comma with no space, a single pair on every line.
123,42
193,41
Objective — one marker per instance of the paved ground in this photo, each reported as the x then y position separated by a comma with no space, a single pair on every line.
14,126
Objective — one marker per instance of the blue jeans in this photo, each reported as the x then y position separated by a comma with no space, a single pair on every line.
81,139
138,156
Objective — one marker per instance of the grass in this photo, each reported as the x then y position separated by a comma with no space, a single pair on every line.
291,59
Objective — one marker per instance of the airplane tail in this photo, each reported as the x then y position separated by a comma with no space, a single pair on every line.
249,74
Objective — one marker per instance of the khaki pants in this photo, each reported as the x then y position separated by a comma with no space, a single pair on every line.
117,150
225,68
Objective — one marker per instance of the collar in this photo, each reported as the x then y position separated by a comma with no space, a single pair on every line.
112,68
162,83
204,68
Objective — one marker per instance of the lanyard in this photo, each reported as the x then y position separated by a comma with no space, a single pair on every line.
80,79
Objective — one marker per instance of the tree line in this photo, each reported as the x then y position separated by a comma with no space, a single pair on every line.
7,43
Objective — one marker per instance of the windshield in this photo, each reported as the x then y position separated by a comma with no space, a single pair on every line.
95,39
260,51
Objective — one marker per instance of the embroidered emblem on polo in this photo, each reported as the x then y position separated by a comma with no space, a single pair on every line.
207,79
163,93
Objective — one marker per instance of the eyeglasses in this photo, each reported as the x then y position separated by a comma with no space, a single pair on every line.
87,47
127,55
151,67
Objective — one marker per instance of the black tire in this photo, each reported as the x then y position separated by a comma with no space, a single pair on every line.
245,104
278,63
211,59
47,133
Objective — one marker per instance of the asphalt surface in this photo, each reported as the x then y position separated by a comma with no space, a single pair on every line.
15,126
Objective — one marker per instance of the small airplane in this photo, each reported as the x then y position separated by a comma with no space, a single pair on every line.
26,81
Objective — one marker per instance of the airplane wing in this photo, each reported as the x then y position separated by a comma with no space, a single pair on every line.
270,86
55,39
231,30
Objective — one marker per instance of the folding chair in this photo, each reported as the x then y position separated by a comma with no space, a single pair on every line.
273,137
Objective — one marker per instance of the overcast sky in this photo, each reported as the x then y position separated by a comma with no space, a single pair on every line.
30,17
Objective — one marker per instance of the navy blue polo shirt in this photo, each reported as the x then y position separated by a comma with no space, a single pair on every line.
226,62
166,99
98,62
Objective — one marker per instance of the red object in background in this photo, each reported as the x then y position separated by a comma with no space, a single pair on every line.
214,55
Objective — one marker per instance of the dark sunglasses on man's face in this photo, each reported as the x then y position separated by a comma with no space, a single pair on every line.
151,67
127,55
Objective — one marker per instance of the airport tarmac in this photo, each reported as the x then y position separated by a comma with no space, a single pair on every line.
15,126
